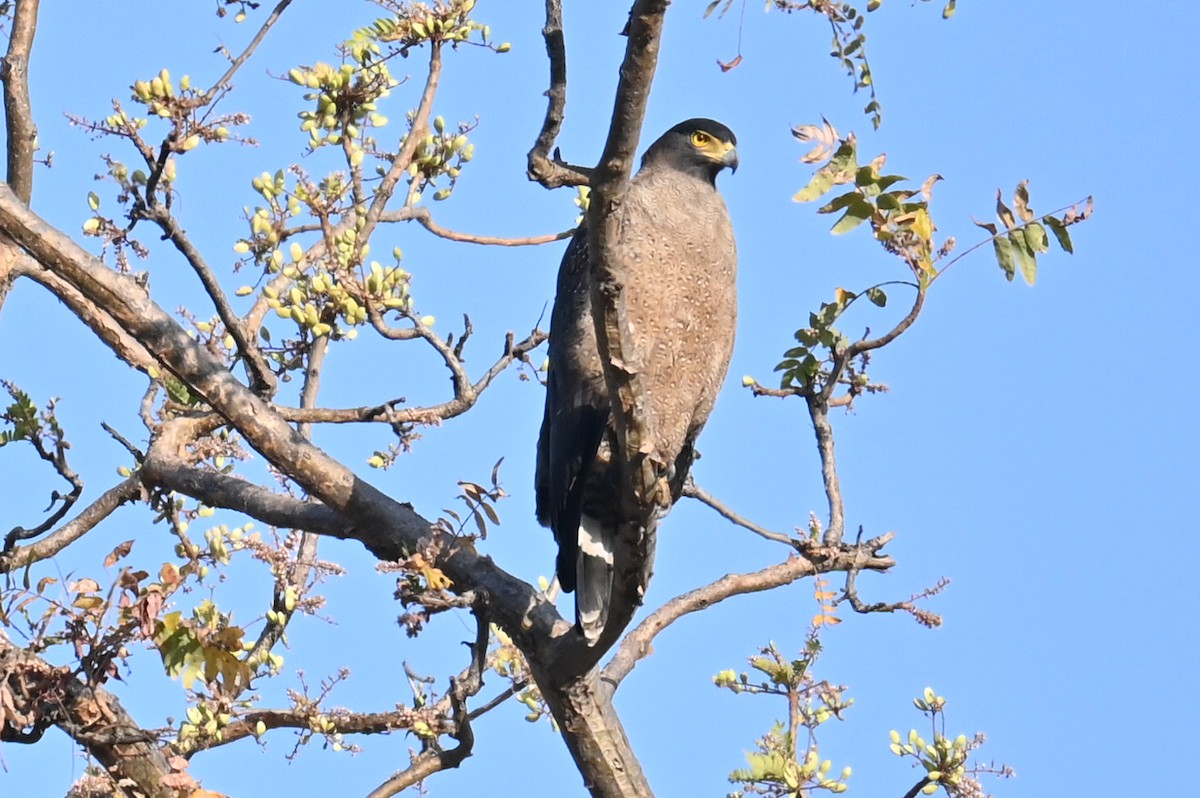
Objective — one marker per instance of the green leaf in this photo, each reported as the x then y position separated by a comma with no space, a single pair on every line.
1060,233
948,11
857,213
1026,258
1004,256
889,202
865,176
821,182
877,297
1035,236
839,202
845,161
807,336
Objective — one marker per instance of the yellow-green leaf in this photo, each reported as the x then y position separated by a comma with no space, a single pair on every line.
1060,233
1026,258
1004,256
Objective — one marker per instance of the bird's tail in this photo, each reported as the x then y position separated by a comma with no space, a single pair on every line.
593,576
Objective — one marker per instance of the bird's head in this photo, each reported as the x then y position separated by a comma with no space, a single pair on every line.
698,146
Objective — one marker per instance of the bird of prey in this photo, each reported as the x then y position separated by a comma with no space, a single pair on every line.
677,250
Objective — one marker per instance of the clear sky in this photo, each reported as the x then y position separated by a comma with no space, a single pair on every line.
1036,447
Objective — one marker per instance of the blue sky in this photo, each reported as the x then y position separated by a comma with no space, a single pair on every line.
1036,447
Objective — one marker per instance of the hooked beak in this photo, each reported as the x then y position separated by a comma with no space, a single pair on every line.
729,157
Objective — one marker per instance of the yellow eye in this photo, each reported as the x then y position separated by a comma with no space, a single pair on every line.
701,139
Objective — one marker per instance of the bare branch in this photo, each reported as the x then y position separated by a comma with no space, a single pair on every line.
552,172
866,345
467,684
694,491
592,730
425,219
262,378
636,644
399,167
297,575
389,413
101,323
236,63
18,112
916,788
68,533
231,493
818,411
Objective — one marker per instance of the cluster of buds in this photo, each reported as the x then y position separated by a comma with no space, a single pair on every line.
441,152
440,23
346,101
204,722
163,99
324,303
944,759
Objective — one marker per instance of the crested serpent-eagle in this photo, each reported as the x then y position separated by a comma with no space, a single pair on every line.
675,246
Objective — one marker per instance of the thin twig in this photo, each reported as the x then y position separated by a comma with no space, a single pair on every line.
694,491
636,645
262,379
500,698
68,533
389,413
425,219
237,62
296,576
433,759
916,788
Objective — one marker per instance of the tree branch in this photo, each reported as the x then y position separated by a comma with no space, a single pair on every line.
594,735
296,576
818,411
68,533
423,217
694,491
18,112
46,695
231,493
433,759
916,788
260,371
386,527
552,172
388,413
106,328
636,644
236,63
